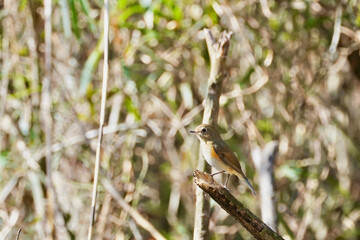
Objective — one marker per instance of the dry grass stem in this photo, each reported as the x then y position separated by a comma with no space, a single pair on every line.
138,218
45,116
102,116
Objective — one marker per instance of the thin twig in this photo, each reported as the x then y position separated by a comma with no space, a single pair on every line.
218,52
9,223
249,90
265,8
45,112
102,116
18,234
138,218
234,207
39,201
106,210
6,61
135,231
337,30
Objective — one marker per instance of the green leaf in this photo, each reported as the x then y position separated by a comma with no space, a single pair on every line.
358,17
274,24
74,19
23,4
128,12
290,171
131,108
265,126
86,8
3,158
89,67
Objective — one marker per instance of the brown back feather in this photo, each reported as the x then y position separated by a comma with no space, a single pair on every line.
228,157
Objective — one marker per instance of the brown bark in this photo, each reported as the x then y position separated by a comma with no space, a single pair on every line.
234,207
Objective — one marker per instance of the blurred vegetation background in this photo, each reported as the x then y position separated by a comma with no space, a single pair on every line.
294,76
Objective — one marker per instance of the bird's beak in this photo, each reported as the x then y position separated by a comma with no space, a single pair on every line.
192,131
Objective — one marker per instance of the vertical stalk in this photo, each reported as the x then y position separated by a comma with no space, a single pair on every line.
218,52
45,115
102,116
264,160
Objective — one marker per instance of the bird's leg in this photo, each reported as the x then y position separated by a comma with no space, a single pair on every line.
226,181
213,174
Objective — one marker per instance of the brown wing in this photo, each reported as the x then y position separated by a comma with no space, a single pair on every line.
228,157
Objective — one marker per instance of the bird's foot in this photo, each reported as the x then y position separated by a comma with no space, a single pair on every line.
224,186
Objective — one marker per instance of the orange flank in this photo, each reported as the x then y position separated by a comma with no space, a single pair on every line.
214,154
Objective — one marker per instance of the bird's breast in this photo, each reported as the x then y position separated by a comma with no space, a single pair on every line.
210,156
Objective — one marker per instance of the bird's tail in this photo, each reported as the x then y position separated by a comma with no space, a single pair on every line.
243,177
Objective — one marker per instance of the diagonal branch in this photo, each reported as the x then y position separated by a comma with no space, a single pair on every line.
235,208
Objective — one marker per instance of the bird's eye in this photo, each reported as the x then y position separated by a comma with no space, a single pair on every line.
203,130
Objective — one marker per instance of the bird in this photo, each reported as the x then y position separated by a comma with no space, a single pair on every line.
218,154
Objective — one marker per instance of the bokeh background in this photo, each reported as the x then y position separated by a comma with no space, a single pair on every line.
294,77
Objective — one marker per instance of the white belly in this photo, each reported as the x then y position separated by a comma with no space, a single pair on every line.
215,163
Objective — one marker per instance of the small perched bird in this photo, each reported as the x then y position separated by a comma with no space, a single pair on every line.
218,154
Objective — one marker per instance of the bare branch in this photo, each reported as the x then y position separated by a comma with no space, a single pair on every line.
218,52
265,8
337,30
234,207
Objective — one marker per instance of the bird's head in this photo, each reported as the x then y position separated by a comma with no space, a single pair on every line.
206,132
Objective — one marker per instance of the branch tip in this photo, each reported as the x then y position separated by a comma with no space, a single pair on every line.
210,40
202,177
